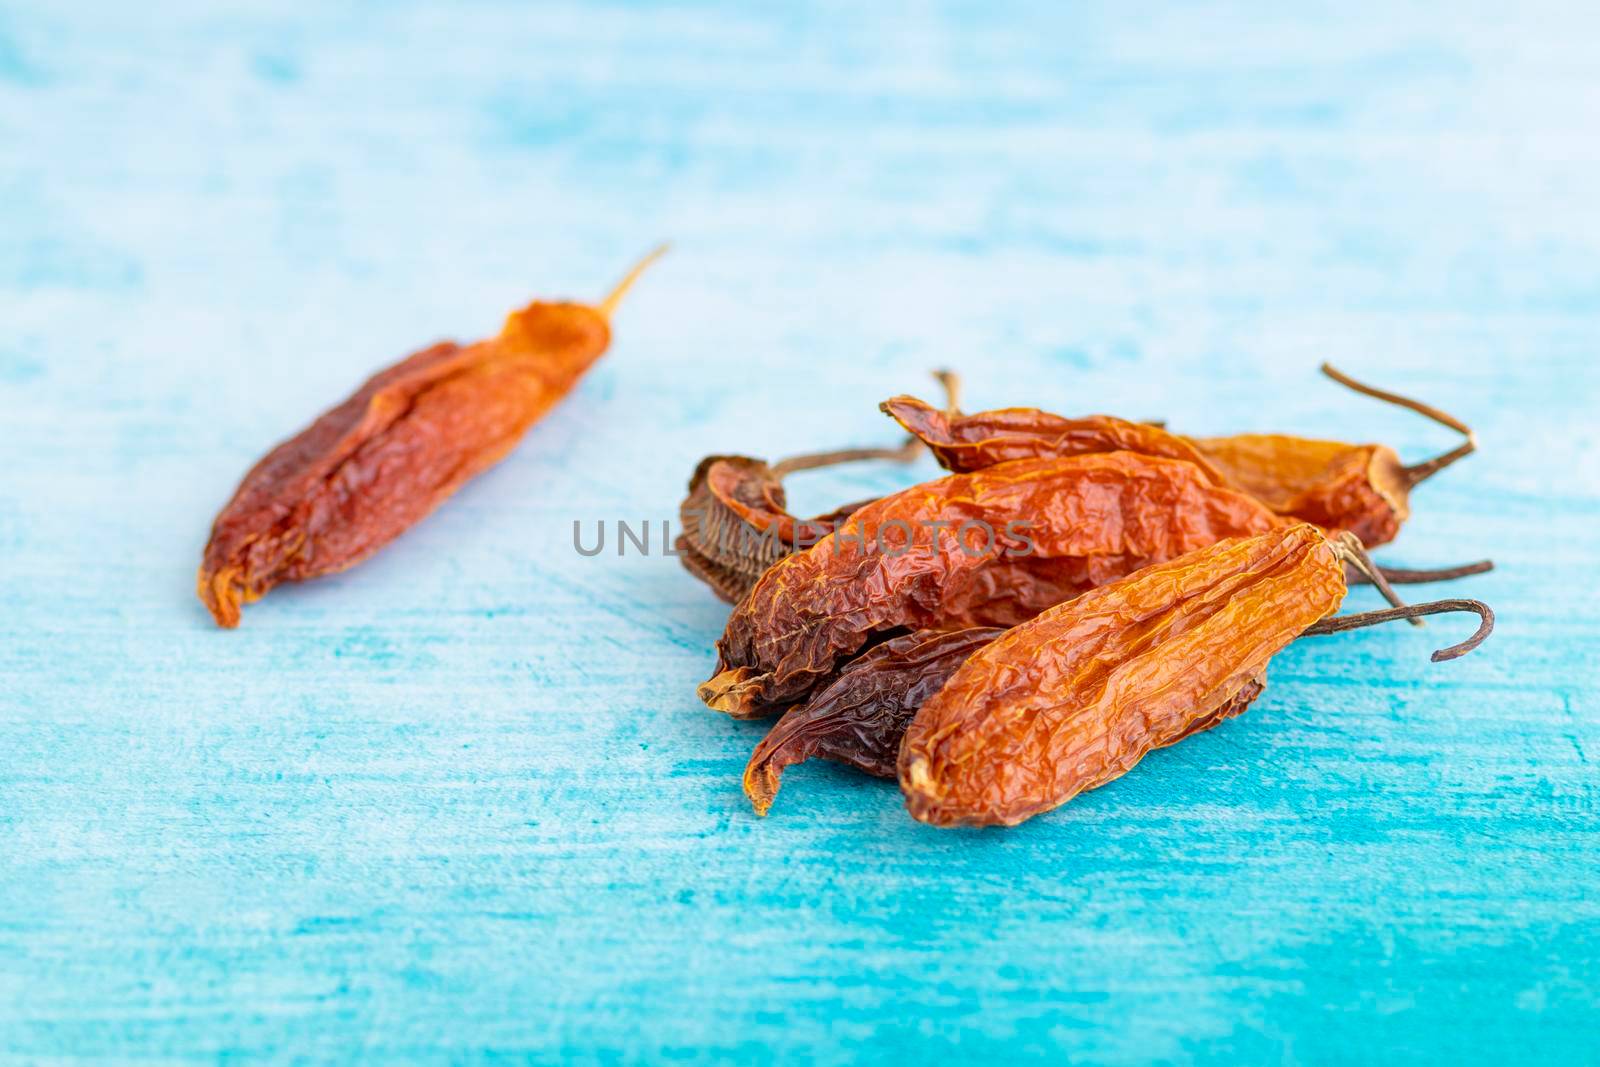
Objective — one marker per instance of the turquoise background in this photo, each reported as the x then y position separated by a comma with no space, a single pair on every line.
462,801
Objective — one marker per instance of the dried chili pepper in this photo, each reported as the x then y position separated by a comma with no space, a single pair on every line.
1365,489
911,561
1075,697
372,467
964,443
1361,488
860,716
735,518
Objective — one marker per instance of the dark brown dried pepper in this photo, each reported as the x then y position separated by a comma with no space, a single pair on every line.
369,469
1075,697
1364,489
860,716
921,559
735,518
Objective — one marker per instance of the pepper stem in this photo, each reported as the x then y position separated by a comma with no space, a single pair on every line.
1356,553
811,460
1414,576
1420,472
948,380
609,304
1417,472
1340,623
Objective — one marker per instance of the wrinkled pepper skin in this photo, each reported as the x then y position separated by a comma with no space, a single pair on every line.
860,716
1364,489
375,465
736,524
1077,696
736,521
1093,519
965,443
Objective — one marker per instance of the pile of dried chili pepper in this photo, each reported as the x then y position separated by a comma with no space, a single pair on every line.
1073,594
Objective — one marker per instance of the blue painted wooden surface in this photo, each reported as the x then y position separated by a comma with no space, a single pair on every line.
462,800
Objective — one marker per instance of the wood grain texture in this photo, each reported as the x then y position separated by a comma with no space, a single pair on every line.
462,801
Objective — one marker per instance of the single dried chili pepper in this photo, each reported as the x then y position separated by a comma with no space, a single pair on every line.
911,561
1075,697
860,716
735,518
375,465
1361,488
964,443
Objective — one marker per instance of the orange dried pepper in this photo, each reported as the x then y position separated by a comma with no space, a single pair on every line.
949,554
375,465
1364,489
964,443
861,715
1075,697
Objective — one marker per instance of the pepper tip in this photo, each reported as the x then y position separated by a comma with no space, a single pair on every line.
216,592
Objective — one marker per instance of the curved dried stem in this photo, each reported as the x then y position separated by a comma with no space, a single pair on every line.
609,304
1427,468
950,382
1341,623
1353,550
811,460
907,451
1443,418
